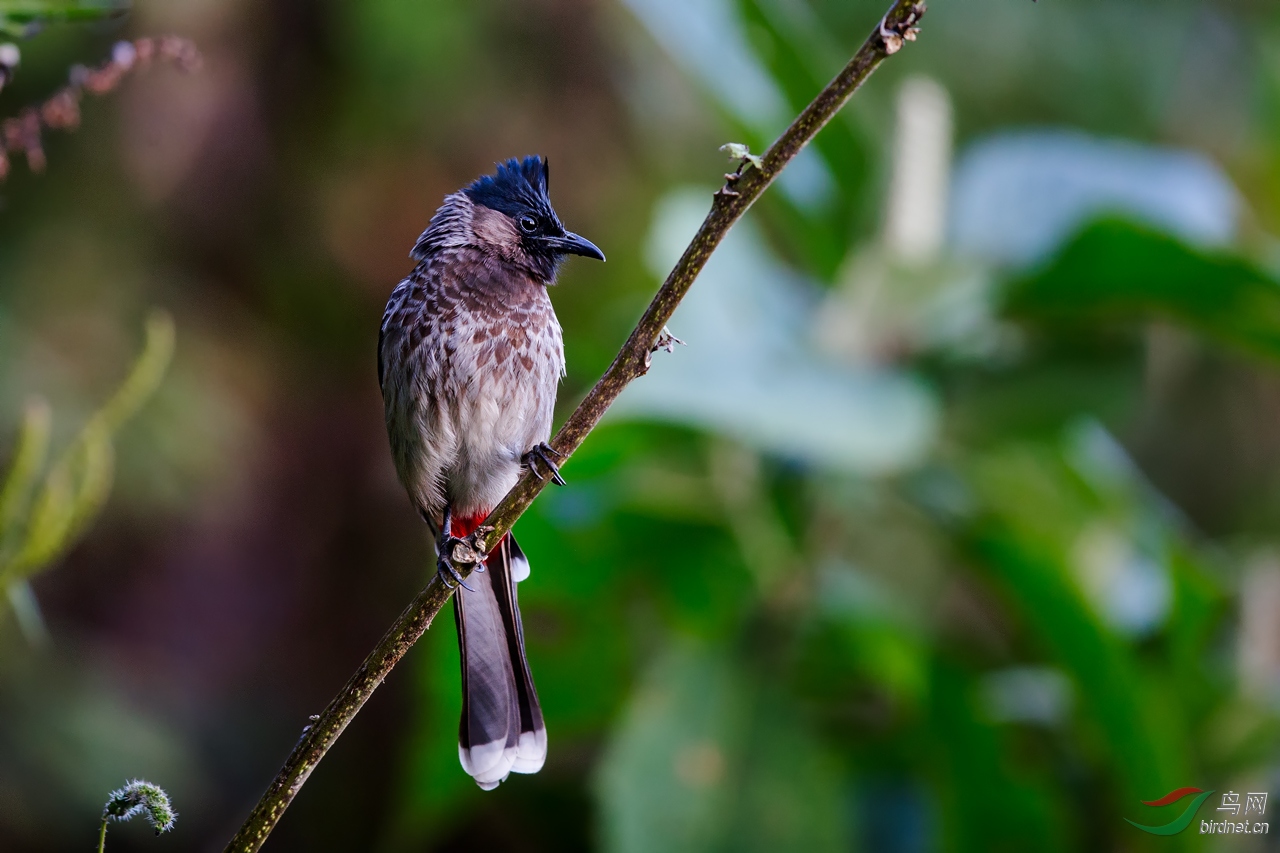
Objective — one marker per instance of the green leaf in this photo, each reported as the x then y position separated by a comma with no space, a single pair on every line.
1116,272
664,781
31,11
79,482
704,759
801,57
24,18
147,372
990,800
28,460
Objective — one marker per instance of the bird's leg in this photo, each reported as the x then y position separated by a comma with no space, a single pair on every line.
542,453
444,553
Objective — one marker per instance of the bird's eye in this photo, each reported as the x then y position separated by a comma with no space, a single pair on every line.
528,224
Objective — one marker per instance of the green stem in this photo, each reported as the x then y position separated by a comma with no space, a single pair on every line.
727,207
102,835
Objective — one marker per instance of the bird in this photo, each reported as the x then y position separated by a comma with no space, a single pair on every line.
470,355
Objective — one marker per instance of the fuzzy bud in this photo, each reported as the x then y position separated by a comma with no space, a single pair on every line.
741,153
139,797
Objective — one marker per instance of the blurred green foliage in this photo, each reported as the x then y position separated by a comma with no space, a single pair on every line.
1222,296
46,507
19,17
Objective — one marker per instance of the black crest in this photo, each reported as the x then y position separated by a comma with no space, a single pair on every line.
518,187
518,190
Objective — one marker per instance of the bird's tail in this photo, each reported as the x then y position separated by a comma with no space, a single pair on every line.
501,729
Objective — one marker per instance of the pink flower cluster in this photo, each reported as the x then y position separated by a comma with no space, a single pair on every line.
22,133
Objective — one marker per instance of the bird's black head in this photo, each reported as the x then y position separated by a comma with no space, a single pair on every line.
518,190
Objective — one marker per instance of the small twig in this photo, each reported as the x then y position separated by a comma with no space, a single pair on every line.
728,205
23,133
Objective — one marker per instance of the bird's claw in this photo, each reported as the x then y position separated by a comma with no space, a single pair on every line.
444,563
542,453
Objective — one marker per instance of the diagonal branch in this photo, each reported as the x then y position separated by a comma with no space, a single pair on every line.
730,202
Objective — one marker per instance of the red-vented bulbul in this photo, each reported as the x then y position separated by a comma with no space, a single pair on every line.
469,358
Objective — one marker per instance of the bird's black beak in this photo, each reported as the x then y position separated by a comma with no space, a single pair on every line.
572,244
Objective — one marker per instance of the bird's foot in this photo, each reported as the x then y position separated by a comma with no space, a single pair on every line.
542,453
444,562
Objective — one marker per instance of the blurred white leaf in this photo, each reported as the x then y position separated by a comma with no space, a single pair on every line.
751,372
1017,196
706,39
1026,694
915,215
1130,590
1258,649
